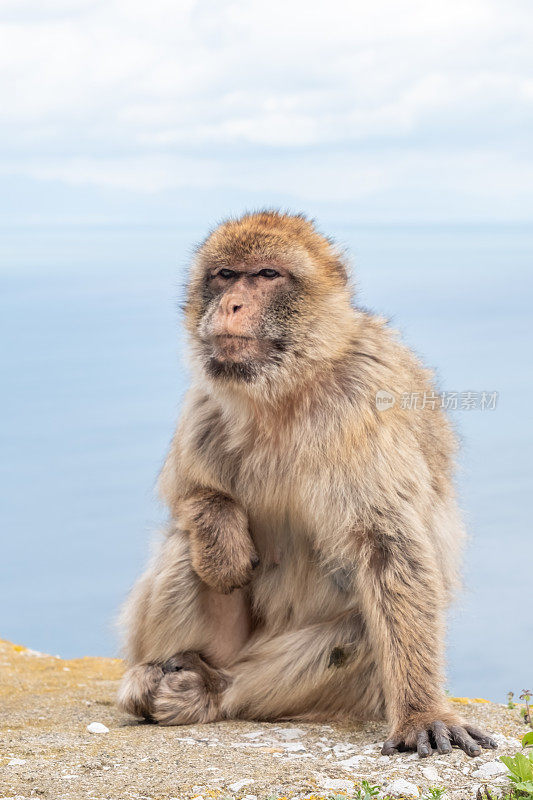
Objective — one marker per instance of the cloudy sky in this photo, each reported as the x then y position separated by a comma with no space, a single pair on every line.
377,111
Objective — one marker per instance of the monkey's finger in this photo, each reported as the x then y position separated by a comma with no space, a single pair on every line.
440,734
173,664
390,747
486,741
423,747
462,739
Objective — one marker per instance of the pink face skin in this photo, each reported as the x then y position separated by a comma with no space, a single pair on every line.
236,326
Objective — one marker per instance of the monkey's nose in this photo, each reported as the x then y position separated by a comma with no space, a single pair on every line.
230,304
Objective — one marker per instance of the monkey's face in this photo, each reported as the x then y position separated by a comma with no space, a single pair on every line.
267,300
248,312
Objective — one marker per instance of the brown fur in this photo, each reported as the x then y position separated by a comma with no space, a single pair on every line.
351,510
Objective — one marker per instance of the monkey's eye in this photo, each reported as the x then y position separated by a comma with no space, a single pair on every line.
226,273
268,273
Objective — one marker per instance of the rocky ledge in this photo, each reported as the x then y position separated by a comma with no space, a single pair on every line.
62,738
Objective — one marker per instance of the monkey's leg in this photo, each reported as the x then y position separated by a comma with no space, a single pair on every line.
171,617
323,671
399,588
222,551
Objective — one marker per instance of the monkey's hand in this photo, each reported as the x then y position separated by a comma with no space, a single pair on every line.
422,733
224,566
222,551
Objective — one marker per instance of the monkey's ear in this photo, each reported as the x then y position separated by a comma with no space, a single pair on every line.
339,261
342,270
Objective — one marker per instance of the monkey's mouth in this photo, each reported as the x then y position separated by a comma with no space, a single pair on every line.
237,348
230,336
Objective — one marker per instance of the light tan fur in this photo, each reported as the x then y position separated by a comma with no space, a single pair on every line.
351,510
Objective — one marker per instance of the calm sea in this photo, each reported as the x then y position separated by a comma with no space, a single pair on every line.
92,377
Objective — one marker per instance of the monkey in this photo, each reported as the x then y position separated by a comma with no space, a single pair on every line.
314,538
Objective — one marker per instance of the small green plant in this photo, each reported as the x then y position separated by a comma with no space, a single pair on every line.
510,703
526,712
434,793
366,791
527,739
521,768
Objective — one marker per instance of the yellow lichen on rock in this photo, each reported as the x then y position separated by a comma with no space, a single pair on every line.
466,700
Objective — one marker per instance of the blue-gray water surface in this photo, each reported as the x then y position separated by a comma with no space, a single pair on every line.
93,374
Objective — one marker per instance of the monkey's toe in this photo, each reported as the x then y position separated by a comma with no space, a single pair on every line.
486,741
174,664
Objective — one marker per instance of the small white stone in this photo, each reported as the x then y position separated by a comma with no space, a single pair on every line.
290,733
430,773
343,748
491,769
238,785
506,741
16,762
250,797
353,762
97,727
336,784
293,747
402,788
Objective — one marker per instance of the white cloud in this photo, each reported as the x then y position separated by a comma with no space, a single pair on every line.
335,99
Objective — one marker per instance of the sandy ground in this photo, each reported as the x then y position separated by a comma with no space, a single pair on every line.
46,750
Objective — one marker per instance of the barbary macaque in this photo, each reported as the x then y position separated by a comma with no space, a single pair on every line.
314,536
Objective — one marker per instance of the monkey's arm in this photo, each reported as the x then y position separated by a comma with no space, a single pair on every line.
222,551
402,602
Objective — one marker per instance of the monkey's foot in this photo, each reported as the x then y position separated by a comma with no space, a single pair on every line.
422,734
182,690
188,692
